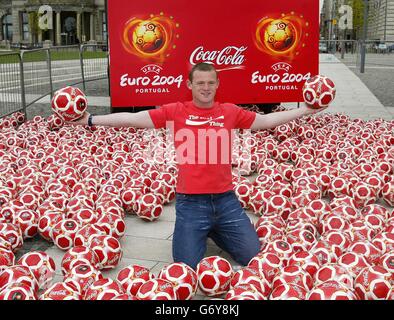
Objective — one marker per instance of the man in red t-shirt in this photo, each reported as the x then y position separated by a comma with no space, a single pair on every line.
202,129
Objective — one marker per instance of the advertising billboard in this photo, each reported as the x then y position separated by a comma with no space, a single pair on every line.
264,50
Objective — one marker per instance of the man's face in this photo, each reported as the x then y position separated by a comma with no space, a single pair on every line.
203,87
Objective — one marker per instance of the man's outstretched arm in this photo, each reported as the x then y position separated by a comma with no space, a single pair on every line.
140,119
272,120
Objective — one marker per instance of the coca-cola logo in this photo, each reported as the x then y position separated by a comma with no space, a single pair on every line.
206,264
59,293
113,260
231,56
330,285
92,296
140,273
87,284
165,286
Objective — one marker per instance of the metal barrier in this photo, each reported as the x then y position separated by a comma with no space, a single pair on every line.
378,54
94,62
12,96
37,74
30,75
65,66
334,46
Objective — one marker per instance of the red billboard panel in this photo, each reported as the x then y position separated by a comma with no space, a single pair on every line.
264,51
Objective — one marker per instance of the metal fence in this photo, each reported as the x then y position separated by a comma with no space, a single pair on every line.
28,76
94,65
377,54
11,84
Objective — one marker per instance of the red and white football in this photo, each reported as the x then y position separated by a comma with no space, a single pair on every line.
319,91
41,265
69,103
183,277
133,277
157,289
214,275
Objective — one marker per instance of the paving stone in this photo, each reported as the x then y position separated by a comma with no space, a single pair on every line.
159,229
160,265
33,244
147,248
169,212
57,278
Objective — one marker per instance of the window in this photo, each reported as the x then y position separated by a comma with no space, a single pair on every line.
105,34
25,26
7,27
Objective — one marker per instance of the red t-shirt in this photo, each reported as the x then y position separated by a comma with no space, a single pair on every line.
203,139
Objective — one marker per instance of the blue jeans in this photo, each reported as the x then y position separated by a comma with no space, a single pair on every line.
218,216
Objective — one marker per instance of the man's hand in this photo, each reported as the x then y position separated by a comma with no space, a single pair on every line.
81,121
309,110
272,120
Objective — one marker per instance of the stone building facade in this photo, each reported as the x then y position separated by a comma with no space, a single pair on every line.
380,21
58,22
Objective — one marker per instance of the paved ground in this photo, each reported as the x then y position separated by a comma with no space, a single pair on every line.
149,244
378,75
353,96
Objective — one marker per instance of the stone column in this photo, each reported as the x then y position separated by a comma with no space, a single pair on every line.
92,24
2,14
39,36
16,36
79,26
58,29
99,20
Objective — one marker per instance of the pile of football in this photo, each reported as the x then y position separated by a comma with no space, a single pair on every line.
321,189
74,187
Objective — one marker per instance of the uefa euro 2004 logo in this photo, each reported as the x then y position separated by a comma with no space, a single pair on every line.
149,37
152,38
279,35
284,36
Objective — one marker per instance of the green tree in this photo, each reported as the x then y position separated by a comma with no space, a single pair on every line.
33,25
358,17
